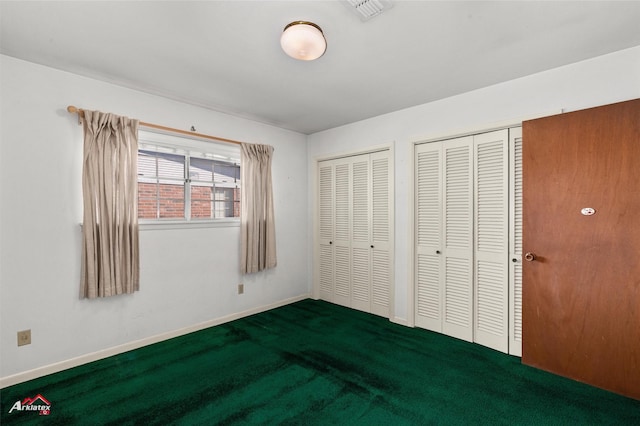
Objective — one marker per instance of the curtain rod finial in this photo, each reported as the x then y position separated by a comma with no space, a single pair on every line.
73,109
80,113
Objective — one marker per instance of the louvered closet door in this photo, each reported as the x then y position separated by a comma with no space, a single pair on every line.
491,239
354,264
361,234
381,234
342,232
325,232
515,242
458,238
463,262
428,219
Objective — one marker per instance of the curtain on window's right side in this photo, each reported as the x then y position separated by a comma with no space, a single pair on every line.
257,221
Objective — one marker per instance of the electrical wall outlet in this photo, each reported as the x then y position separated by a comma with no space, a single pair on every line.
24,337
240,288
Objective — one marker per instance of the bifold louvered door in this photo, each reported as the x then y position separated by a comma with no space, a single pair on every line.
515,241
381,250
325,254
444,216
462,238
491,248
354,264
361,233
428,226
334,234
341,240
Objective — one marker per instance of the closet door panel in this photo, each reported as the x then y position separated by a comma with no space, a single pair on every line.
515,242
457,299
325,232
380,234
428,219
458,238
361,234
342,233
360,278
491,239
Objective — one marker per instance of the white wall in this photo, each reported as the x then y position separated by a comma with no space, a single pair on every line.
41,209
603,80
41,206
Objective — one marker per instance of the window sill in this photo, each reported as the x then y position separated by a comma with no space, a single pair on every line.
195,224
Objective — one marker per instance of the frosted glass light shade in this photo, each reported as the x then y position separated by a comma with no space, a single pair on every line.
303,40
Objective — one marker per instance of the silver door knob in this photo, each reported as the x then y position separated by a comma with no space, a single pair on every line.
530,257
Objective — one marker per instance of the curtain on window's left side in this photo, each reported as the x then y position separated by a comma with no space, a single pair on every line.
110,258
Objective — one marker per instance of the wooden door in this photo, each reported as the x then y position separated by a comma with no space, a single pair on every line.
581,293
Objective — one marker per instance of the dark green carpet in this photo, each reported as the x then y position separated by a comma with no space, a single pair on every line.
315,363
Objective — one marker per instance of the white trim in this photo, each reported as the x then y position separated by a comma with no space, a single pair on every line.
392,230
105,353
411,317
470,131
153,225
315,267
401,321
369,150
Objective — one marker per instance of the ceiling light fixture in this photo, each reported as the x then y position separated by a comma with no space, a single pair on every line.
303,40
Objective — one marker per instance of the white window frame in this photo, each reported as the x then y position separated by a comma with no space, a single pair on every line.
189,147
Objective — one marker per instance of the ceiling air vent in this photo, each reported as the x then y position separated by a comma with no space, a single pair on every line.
367,9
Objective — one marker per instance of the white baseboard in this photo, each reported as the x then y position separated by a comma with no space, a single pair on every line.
105,353
395,320
400,321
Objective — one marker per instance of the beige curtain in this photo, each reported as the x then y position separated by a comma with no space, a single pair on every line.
257,224
110,263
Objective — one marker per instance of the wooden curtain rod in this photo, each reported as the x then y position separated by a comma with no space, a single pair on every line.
80,113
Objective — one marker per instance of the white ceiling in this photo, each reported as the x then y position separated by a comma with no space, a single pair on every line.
226,56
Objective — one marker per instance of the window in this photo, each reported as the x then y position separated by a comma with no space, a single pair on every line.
185,179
